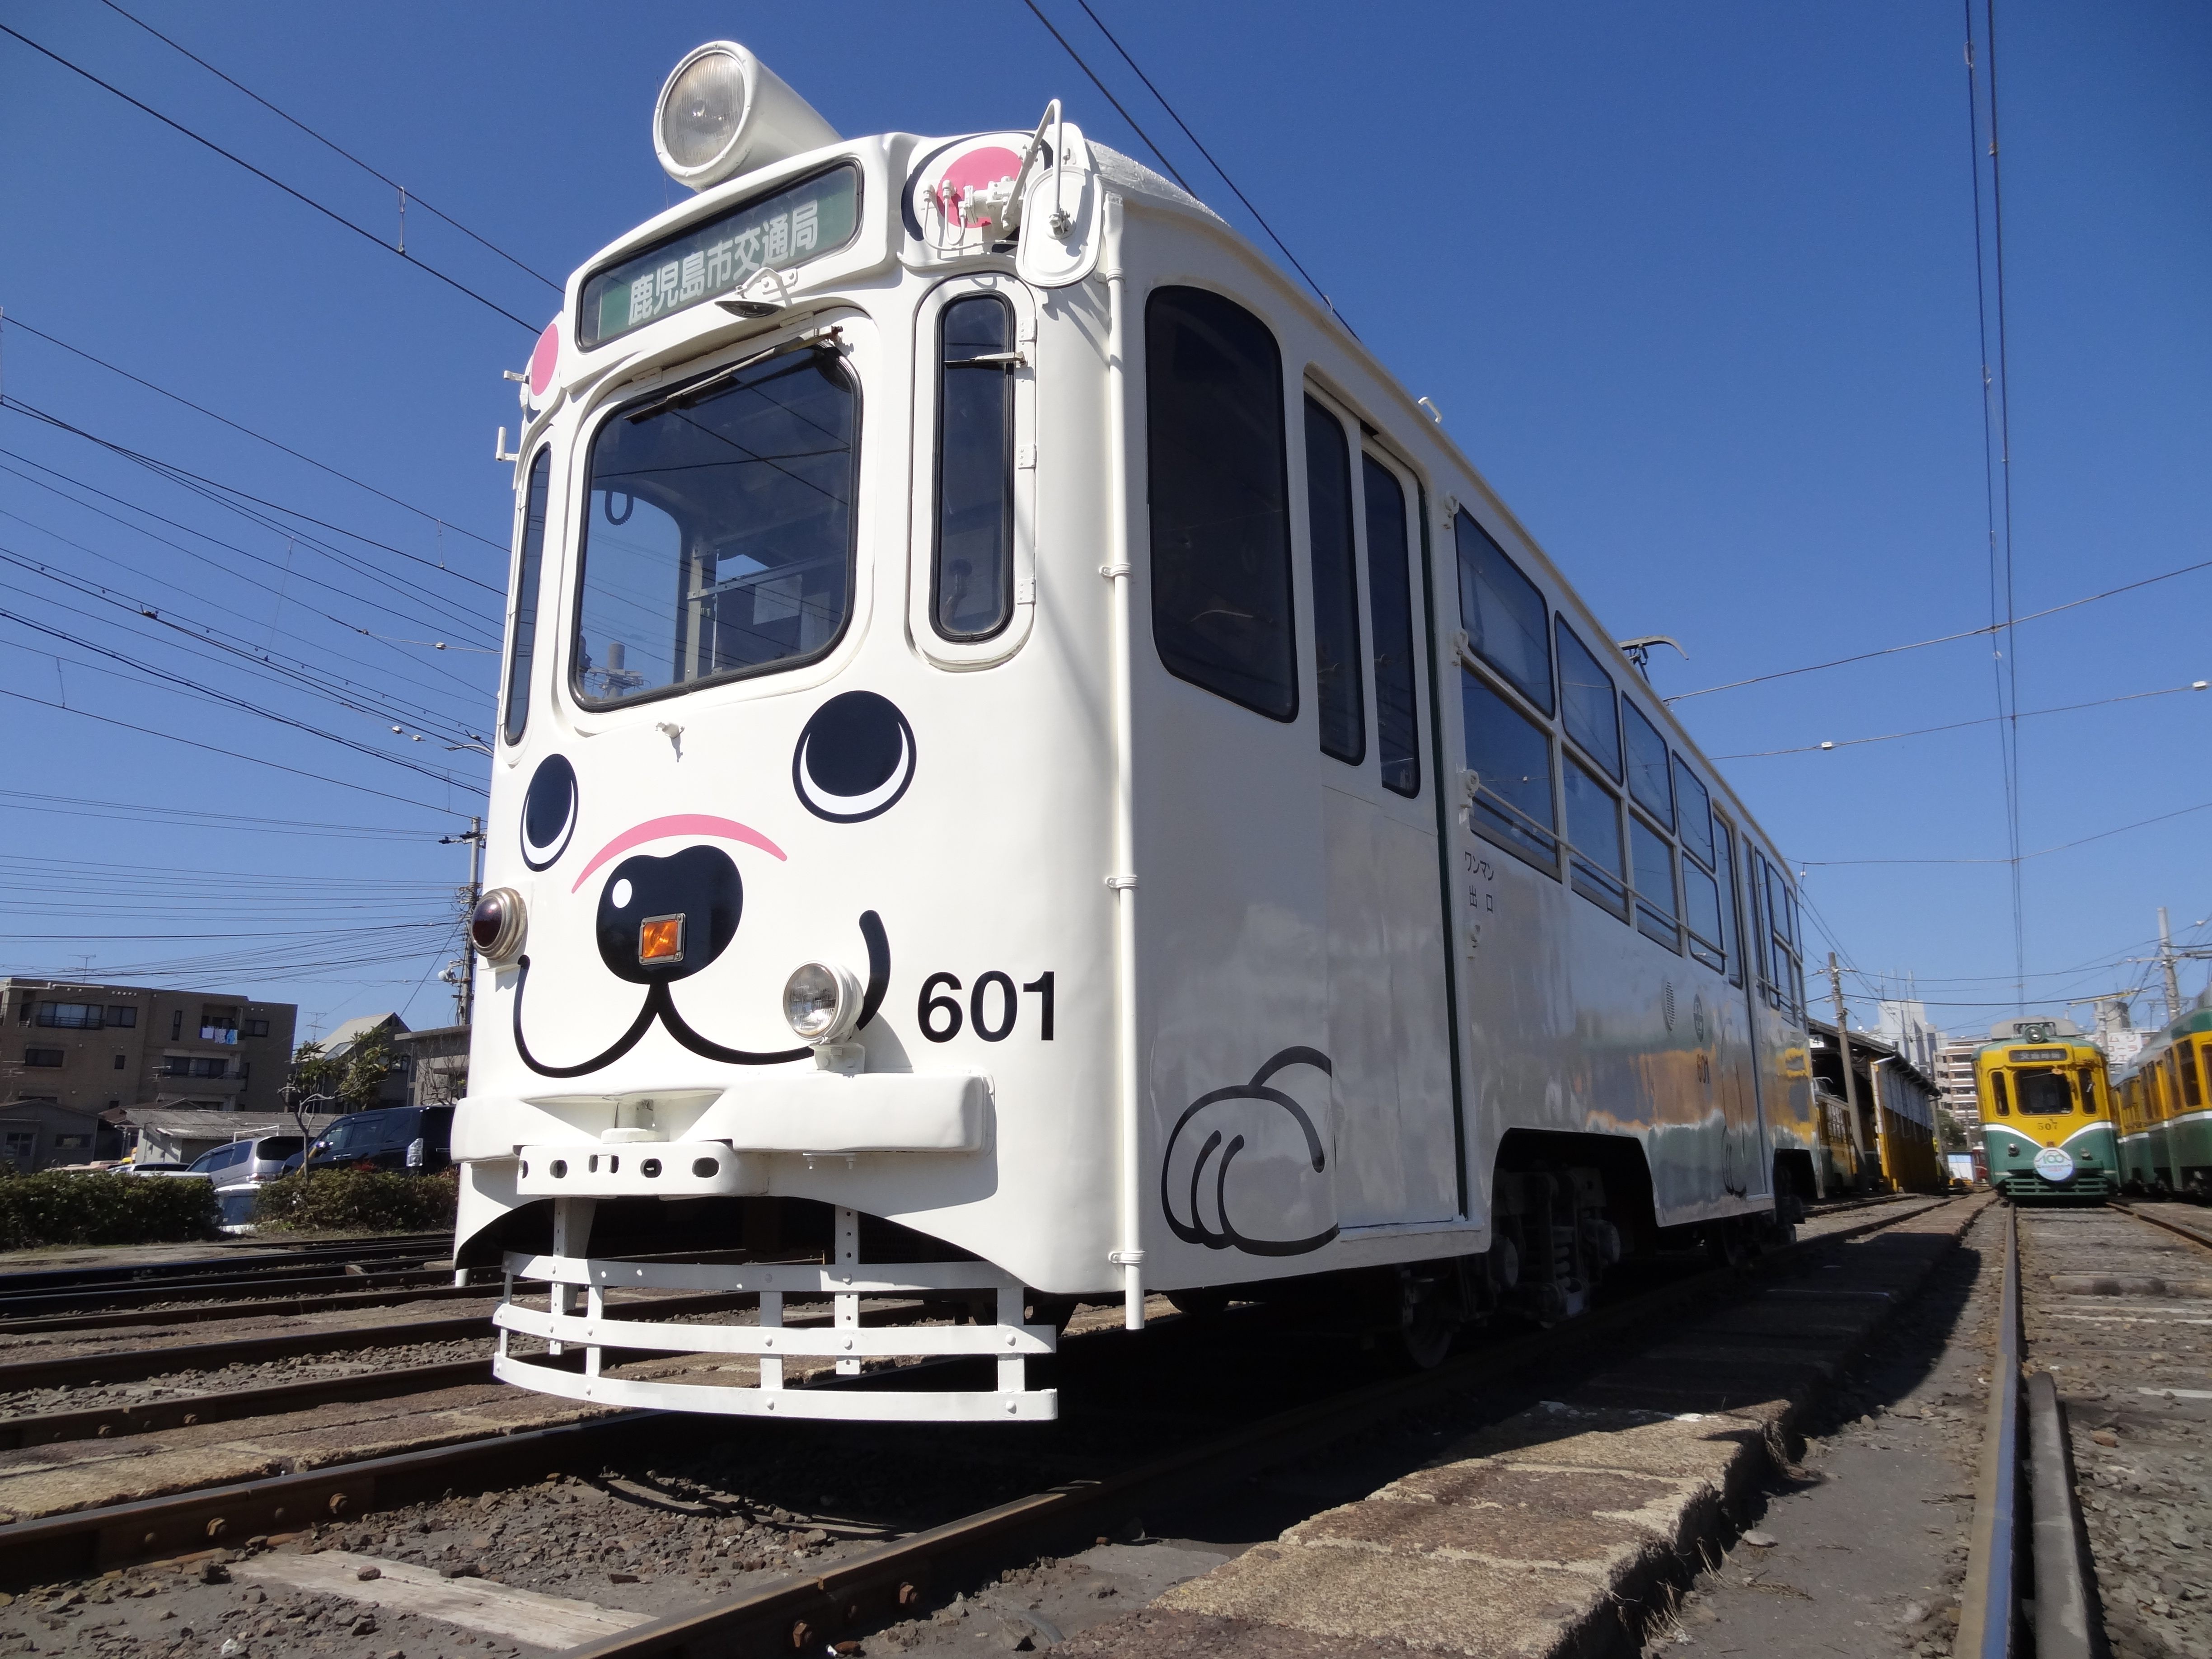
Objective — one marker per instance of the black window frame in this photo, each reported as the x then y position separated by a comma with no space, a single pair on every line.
1502,823
1631,718
1564,635
1190,666
45,1060
1401,771
530,565
1606,889
578,544
1351,683
1471,613
1008,516
1662,927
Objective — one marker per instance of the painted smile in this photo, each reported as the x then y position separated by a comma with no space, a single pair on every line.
680,823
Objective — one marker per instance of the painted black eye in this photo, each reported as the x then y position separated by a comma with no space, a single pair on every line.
854,759
549,812
663,918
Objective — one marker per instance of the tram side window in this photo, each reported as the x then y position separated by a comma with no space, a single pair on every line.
520,654
1511,758
1390,601
2088,1084
1503,612
1220,519
1337,679
2192,1090
718,533
1594,832
1591,711
1998,1093
1701,894
972,573
1731,921
1648,778
2044,1093
1652,857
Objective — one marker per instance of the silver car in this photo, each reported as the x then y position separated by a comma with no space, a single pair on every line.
238,1172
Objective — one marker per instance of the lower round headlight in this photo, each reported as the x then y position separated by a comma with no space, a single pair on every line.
822,1000
497,924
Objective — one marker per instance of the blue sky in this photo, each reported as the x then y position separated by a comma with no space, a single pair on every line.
1695,286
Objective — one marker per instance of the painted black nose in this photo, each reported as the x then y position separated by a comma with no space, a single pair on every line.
664,919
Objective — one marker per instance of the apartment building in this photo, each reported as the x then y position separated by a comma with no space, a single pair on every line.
85,1048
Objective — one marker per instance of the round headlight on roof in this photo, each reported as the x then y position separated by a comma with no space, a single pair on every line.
723,112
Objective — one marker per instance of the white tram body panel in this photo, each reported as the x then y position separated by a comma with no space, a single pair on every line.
1090,881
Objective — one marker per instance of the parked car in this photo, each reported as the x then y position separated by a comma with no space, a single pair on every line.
415,1138
239,1169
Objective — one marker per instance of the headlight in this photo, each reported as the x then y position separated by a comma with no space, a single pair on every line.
498,923
700,110
723,112
822,1000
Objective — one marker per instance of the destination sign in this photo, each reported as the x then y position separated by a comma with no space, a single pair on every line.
2033,1056
815,216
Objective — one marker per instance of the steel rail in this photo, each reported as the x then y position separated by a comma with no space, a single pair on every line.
258,1257
271,1301
2061,1593
1990,1603
80,1542
18,1310
135,1364
185,1411
2174,1227
896,1578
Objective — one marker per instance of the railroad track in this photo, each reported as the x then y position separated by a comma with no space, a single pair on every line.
257,1262
2109,1310
1110,1380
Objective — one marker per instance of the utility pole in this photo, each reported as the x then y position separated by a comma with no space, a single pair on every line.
462,975
2166,964
1844,1045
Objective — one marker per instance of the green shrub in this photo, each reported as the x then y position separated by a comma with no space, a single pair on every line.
357,1200
94,1208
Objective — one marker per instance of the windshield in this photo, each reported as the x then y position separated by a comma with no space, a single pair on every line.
718,533
2042,1093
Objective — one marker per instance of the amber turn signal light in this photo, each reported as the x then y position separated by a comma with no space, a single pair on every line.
660,938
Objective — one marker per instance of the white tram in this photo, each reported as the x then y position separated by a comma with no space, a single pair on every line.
1031,770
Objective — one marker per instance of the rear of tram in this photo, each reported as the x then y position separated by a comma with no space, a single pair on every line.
2047,1114
747,763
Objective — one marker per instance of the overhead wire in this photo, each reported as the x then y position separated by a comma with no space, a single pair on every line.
1996,476
24,800
331,144
11,321
1942,639
302,197
231,547
1958,726
214,749
1163,100
1158,155
2062,847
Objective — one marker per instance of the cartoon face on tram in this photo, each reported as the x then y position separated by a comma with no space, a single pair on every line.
930,551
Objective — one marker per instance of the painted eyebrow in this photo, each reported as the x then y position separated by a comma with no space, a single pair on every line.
680,823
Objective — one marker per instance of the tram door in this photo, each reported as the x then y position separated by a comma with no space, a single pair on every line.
1389,1022
1745,1163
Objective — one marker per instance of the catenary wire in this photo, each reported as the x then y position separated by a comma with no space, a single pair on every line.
1157,154
332,145
170,470
382,605
1223,172
1960,725
2062,847
1941,639
213,749
26,800
332,214
259,437
294,673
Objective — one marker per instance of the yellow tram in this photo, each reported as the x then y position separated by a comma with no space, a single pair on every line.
2047,1111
